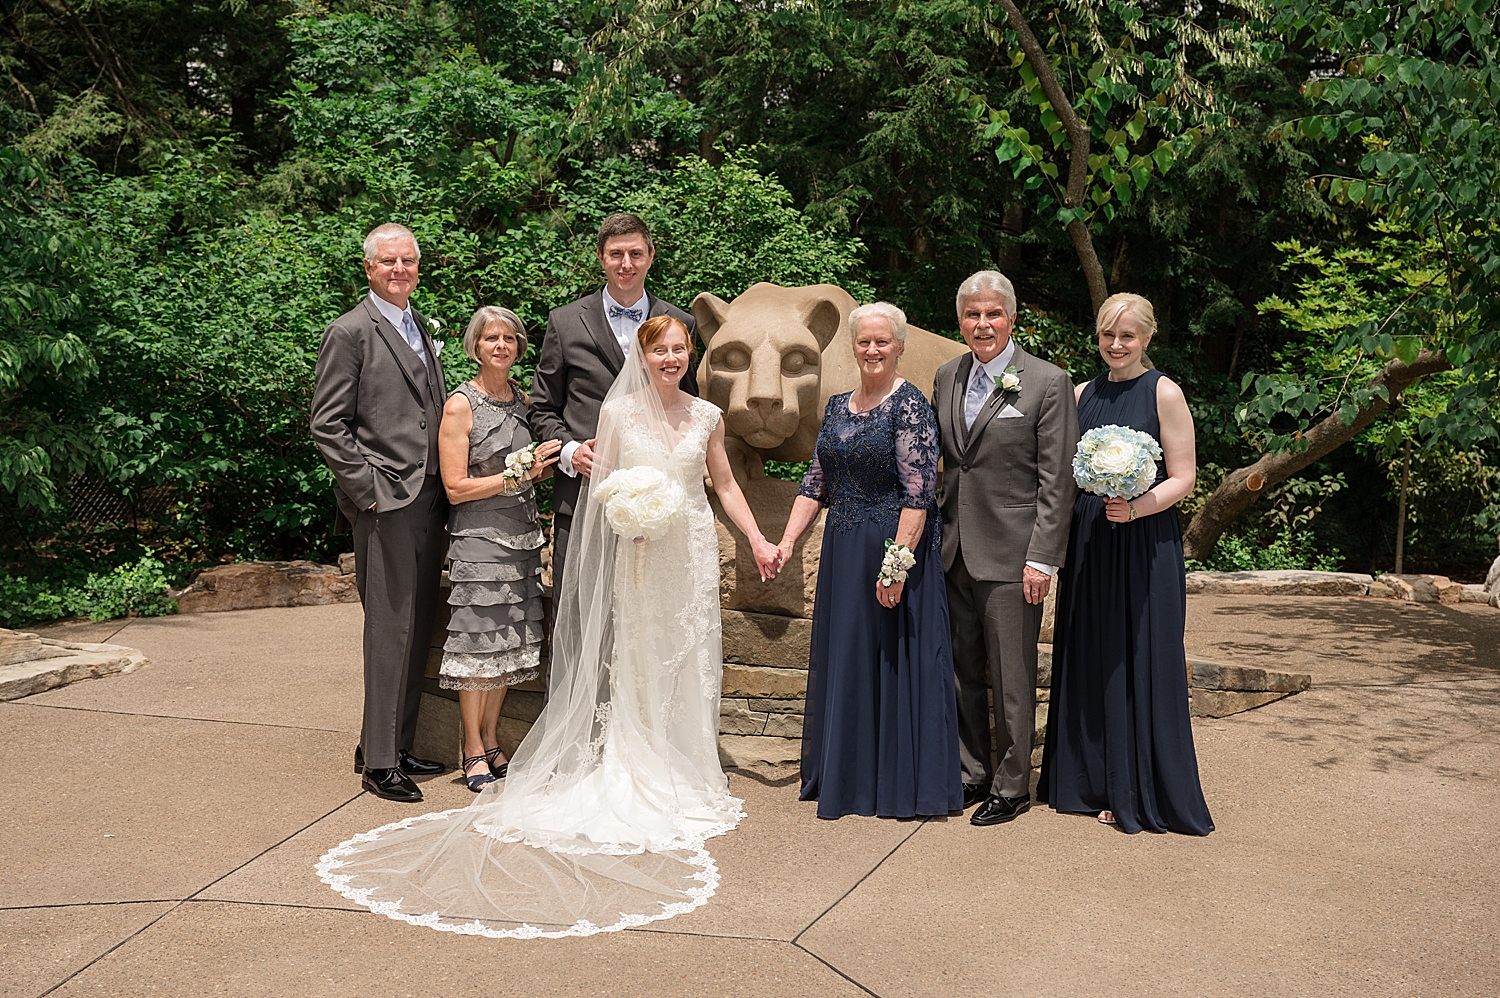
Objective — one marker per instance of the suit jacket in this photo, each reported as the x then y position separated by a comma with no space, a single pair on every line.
1008,485
580,359
375,412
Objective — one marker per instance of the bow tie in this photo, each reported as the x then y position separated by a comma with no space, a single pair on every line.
633,314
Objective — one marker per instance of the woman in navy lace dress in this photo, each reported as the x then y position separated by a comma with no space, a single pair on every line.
880,735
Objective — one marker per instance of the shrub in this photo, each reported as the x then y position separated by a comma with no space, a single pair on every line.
139,588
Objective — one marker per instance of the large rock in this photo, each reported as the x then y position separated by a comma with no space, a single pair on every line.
766,639
1206,675
252,585
1222,703
30,664
1424,588
764,682
1278,583
781,756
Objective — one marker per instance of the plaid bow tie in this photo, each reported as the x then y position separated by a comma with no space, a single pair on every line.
633,314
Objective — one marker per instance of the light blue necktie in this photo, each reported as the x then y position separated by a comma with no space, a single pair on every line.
979,390
412,337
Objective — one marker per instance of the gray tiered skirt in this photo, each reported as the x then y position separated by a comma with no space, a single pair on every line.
496,627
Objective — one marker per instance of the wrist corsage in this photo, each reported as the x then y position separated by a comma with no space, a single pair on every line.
897,562
518,465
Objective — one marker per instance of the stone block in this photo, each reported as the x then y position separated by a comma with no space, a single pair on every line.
65,662
784,725
752,638
795,705
1383,589
523,705
1049,613
1222,703
1044,665
440,731
759,752
763,681
23,646
1474,594
1043,694
791,593
736,718
346,563
1039,734
1279,583
1425,588
1205,675
252,585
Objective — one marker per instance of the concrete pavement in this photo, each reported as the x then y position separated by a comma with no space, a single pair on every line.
160,831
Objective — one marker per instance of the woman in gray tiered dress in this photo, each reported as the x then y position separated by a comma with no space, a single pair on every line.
495,631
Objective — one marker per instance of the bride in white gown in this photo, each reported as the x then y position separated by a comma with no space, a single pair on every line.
601,822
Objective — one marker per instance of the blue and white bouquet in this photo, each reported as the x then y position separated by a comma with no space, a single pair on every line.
1116,462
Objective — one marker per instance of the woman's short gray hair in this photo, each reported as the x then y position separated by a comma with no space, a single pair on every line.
988,282
884,310
486,317
388,231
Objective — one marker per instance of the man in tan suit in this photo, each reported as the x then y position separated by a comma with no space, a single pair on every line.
377,403
1009,428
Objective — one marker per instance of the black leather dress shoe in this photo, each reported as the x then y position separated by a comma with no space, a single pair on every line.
412,766
974,794
997,809
405,761
392,784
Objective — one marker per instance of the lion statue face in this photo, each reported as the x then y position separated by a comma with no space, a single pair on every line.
763,362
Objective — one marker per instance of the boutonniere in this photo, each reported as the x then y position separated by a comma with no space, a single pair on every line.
1010,381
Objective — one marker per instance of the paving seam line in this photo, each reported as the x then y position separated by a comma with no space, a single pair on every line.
796,940
89,904
195,894
169,717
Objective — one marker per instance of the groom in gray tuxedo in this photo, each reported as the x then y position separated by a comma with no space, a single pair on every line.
582,353
1009,428
377,403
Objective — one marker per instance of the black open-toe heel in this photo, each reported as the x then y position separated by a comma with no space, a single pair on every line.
478,781
489,757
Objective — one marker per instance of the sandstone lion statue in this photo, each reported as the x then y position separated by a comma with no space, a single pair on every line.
774,356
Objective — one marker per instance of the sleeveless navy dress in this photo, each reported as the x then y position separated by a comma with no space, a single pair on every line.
1119,737
880,734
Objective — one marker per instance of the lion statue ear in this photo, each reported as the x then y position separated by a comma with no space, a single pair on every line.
821,313
710,311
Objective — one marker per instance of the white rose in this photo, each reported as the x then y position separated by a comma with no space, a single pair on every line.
1115,457
1009,382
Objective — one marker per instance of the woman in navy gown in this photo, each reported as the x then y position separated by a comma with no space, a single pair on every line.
1119,738
880,735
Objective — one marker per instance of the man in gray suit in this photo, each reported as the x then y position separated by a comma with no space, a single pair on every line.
1009,428
377,403
582,353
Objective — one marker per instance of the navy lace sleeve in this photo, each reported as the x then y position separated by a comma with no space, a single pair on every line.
813,484
916,433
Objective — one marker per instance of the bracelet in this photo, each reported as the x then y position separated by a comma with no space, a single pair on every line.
1131,506
897,562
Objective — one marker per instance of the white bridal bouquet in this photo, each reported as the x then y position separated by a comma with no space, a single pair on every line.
641,502
1116,461
518,464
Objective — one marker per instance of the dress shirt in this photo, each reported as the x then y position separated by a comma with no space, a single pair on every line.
993,370
405,323
624,328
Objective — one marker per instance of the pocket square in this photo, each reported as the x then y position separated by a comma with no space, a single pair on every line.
1010,412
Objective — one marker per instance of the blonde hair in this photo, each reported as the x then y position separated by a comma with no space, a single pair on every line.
1117,305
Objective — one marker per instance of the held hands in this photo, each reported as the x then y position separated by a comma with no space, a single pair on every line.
1118,511
768,558
1035,584
583,457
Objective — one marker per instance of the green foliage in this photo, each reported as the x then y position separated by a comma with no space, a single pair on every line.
138,589
1282,537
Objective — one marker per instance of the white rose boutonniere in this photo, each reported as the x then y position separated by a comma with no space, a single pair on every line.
1010,381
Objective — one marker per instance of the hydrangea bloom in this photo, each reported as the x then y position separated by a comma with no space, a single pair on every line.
1116,461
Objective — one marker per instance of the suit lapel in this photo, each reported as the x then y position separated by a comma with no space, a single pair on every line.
963,370
997,399
416,375
597,323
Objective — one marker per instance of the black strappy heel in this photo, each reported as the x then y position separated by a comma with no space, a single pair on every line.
489,757
478,781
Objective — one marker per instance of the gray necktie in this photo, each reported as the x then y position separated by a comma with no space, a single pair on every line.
979,389
412,337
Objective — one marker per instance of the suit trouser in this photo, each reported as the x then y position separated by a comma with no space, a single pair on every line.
994,645
398,562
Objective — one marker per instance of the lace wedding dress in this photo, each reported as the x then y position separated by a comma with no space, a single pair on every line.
601,823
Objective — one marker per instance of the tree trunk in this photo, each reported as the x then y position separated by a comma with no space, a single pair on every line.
1233,496
1401,506
1078,153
